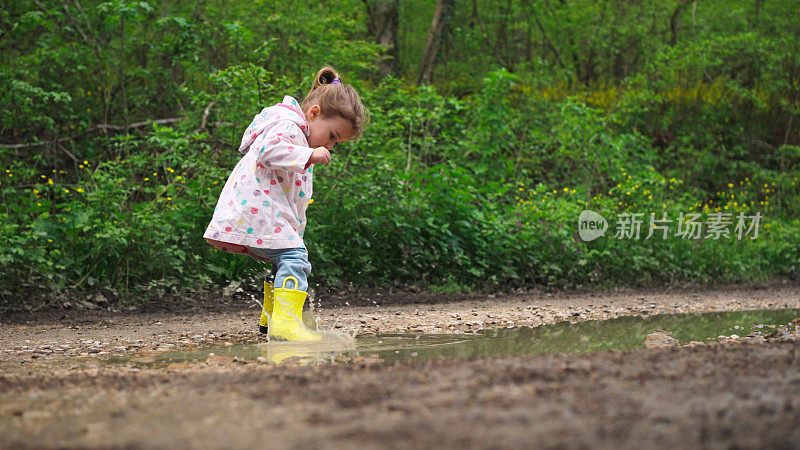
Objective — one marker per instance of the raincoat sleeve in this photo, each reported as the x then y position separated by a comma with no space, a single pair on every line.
282,147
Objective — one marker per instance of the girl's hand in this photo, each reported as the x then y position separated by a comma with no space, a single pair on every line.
321,155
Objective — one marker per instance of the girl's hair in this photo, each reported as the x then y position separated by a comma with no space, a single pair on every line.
336,99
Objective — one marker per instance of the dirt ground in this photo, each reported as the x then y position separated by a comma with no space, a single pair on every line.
56,392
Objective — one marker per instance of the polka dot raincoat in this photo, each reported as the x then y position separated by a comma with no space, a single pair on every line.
264,201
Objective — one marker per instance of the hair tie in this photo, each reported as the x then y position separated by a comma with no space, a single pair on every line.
336,81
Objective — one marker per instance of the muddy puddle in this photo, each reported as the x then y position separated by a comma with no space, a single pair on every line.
590,336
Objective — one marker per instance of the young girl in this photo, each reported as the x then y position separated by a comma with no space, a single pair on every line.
261,211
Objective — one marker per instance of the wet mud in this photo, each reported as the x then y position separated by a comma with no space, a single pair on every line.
57,391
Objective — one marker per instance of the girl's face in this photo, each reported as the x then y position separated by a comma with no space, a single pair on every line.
327,131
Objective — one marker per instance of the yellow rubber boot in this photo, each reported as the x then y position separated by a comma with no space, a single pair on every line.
286,323
266,310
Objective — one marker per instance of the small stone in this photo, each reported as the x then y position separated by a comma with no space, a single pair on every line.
660,339
215,359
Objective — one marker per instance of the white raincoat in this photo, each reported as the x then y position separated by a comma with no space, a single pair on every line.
264,201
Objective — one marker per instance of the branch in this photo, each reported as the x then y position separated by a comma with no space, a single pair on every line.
89,40
546,38
491,44
205,118
64,149
102,126
106,126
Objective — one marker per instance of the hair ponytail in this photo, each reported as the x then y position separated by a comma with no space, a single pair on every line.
336,99
326,75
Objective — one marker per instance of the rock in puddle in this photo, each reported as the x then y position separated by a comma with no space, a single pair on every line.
660,339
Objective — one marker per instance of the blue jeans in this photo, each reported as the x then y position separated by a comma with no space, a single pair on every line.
287,262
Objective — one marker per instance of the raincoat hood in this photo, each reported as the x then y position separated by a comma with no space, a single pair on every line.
290,110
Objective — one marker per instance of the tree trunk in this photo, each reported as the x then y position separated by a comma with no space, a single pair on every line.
382,25
675,22
444,11
757,13
576,60
122,73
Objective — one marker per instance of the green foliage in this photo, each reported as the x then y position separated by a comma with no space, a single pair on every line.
538,111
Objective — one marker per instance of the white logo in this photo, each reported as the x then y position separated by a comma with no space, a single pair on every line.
591,225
